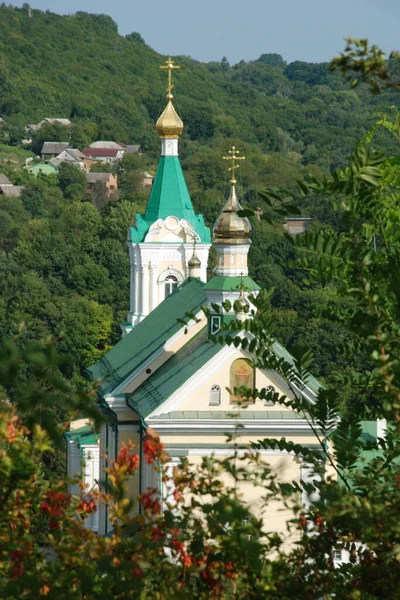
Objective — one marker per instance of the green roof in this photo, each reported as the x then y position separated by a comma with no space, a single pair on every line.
231,284
169,196
280,351
147,337
247,415
173,374
83,435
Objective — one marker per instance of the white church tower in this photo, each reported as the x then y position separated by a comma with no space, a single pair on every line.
161,243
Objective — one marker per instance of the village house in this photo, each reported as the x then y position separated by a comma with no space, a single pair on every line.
297,225
32,127
70,155
133,149
147,179
106,155
4,181
108,180
11,190
43,168
53,149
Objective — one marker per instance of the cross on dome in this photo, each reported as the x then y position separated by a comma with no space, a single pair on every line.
233,157
170,65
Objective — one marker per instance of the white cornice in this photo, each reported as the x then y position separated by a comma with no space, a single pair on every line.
280,427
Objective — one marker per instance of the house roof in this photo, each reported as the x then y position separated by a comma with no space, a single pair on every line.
169,196
65,122
4,180
173,374
107,145
12,190
93,177
75,153
141,343
101,152
133,148
83,435
44,167
54,147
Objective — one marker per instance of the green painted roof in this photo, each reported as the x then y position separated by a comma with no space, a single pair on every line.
173,374
231,284
147,337
280,351
169,196
43,167
83,435
247,415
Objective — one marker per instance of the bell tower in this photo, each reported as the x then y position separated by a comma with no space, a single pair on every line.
161,243
231,240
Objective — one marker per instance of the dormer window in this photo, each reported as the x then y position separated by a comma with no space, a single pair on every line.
171,283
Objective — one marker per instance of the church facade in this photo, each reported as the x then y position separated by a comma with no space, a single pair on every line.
166,374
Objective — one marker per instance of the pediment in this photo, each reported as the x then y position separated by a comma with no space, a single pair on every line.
206,391
171,229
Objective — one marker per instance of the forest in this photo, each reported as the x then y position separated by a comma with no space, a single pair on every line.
63,259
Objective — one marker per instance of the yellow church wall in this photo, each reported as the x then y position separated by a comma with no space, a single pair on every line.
274,515
126,436
199,397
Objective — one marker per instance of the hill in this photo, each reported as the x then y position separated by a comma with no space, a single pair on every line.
78,67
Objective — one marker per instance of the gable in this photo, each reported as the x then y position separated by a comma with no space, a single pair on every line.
187,389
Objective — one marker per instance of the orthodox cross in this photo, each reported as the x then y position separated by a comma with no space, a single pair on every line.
233,158
170,66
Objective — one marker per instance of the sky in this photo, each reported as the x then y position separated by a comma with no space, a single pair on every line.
206,30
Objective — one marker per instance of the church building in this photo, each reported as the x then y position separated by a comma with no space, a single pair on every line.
166,374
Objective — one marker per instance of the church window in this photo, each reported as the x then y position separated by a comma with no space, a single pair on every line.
215,395
215,324
171,283
242,375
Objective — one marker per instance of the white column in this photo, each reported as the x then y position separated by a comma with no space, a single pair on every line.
144,309
74,465
153,286
133,289
134,285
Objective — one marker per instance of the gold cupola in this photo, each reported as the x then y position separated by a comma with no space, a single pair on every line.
169,124
230,228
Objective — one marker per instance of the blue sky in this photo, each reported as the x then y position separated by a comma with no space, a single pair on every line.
310,30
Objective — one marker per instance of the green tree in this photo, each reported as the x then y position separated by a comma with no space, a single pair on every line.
72,179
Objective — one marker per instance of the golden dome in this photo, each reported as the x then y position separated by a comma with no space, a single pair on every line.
229,228
194,262
169,124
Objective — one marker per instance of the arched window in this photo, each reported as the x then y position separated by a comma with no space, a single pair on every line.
215,395
171,283
242,375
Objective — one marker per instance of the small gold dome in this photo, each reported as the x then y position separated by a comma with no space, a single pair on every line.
169,124
229,228
194,262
